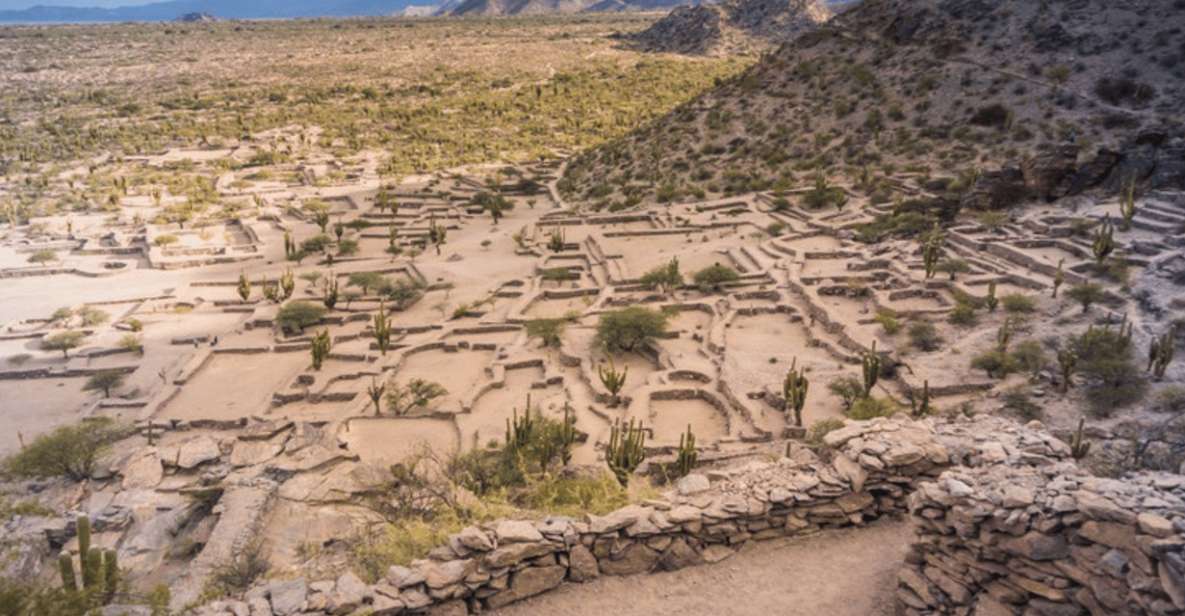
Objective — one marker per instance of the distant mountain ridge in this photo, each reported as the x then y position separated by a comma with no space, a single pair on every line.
732,26
224,9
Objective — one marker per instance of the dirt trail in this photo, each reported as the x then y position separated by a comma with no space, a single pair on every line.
838,573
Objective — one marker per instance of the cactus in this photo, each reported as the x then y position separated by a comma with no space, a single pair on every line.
110,574
932,251
1067,361
991,300
557,241
1127,205
330,288
436,234
1059,278
921,405
519,430
321,346
871,365
339,229
1079,446
1160,353
382,329
1004,336
375,391
270,291
66,569
613,380
687,457
84,534
289,246
287,285
1104,241
244,287
567,434
794,390
92,568
626,450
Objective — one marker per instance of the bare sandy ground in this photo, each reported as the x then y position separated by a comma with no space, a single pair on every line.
840,573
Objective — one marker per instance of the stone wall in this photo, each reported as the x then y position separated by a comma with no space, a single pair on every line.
1046,540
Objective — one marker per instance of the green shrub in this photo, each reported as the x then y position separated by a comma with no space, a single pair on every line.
1018,401
630,329
715,276
549,331
68,451
888,321
997,364
43,256
63,341
820,429
296,316
924,337
871,407
1030,357
963,315
1017,303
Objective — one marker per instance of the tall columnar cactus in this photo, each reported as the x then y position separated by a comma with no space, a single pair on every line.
393,240
519,430
1161,352
871,366
436,235
1079,446
287,285
626,450
932,251
613,380
687,456
330,289
289,246
322,344
557,241
567,434
991,300
794,390
1127,205
1059,277
1103,243
1067,362
99,570
382,329
1004,336
375,391
244,287
271,292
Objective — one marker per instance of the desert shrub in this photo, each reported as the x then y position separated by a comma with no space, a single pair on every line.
888,321
629,329
237,575
848,388
1030,357
715,276
104,381
994,116
997,364
166,240
402,292
548,331
963,315
1106,361
1087,294
69,451
367,281
43,256
820,429
924,337
1018,401
871,407
1170,399
296,316
1120,90
1017,303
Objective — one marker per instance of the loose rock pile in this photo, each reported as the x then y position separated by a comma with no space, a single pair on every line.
1046,540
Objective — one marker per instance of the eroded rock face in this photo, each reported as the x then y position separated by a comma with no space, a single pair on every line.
732,26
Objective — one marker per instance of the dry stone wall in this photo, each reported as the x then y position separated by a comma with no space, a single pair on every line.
1046,540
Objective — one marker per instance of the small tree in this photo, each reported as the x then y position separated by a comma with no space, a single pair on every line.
69,451
418,393
1087,293
104,381
666,278
630,329
375,391
366,281
549,331
715,276
63,341
296,316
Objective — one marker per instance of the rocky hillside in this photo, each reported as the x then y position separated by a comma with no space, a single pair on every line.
733,26
935,86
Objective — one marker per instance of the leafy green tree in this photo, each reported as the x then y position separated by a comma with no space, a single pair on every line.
629,329
104,381
296,316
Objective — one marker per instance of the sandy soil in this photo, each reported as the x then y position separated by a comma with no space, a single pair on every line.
835,573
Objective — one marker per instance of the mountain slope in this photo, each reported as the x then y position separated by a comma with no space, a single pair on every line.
732,26
939,86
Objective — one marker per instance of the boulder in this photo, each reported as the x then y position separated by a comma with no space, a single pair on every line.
288,597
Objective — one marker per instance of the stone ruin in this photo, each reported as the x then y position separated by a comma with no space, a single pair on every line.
1006,524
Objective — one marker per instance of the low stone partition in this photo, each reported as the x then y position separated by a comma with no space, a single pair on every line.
1046,540
874,466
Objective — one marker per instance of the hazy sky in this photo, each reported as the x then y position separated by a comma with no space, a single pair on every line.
21,4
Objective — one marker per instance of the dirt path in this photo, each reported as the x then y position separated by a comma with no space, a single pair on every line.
838,573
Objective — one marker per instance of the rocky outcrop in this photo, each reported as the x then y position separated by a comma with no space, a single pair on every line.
732,26
1046,540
